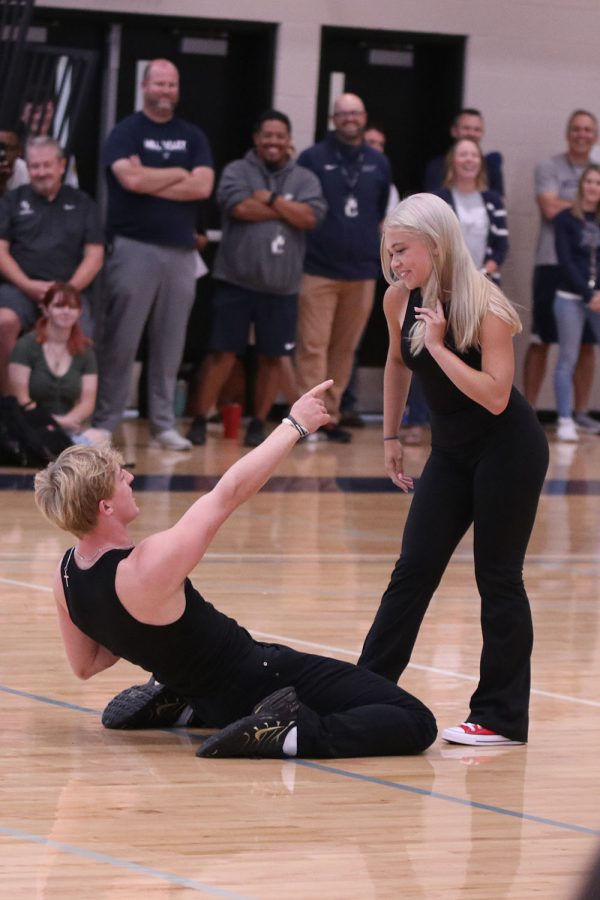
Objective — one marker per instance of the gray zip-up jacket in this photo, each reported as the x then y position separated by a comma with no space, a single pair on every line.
264,256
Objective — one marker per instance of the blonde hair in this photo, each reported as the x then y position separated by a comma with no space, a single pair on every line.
68,490
577,208
481,182
453,278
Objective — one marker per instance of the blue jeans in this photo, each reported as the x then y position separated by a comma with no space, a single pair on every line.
571,316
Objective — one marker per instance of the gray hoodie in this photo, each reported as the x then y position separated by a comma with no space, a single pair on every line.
264,256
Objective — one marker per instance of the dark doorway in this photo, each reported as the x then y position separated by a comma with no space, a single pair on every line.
226,74
411,85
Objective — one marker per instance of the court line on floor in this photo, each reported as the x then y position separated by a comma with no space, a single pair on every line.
319,766
107,859
353,654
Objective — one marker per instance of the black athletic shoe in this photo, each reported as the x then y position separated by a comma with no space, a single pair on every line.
150,705
282,703
197,432
333,432
253,736
255,433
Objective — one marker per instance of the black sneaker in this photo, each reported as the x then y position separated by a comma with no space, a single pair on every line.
150,705
197,432
255,433
352,419
333,432
283,703
253,736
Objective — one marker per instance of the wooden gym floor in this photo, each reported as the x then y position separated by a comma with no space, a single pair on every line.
87,813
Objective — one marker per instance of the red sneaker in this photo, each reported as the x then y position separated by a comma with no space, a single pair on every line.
470,733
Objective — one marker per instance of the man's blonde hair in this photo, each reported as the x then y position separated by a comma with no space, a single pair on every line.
454,278
69,489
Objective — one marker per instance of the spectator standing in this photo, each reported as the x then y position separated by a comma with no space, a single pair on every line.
158,167
480,211
48,232
556,182
13,169
342,255
577,299
268,202
468,123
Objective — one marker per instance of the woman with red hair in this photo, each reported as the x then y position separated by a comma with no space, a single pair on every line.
53,367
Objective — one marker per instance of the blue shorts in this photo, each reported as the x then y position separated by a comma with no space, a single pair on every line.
543,324
235,309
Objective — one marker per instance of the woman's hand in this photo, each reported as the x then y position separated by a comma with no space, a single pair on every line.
435,324
394,454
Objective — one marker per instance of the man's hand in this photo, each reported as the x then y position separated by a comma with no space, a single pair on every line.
594,303
36,290
262,195
309,410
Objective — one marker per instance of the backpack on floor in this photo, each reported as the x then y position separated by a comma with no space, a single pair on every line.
28,437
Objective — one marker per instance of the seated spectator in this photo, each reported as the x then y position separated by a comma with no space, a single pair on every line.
48,232
54,367
468,123
577,298
481,212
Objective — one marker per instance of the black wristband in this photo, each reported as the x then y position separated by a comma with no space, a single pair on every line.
394,437
272,198
290,420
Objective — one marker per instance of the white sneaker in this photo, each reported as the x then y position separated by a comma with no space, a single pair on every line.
586,423
95,436
170,440
567,430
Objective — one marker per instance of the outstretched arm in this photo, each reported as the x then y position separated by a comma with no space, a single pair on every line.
157,566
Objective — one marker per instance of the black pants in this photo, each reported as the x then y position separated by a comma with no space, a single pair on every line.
345,710
493,482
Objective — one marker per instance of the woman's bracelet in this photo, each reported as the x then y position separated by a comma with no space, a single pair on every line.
290,420
393,437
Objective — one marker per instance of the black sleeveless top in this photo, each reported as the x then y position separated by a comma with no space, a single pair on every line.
455,418
193,655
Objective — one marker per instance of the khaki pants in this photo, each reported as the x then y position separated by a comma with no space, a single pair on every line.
332,316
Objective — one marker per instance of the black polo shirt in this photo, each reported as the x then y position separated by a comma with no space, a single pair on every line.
47,239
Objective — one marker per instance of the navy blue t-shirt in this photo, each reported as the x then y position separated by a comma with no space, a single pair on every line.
345,245
154,220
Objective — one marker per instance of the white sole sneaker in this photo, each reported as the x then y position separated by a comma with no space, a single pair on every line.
475,735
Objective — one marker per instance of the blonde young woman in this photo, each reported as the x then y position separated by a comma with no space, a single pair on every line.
453,327
481,212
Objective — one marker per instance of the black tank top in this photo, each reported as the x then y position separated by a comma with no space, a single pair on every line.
192,655
455,418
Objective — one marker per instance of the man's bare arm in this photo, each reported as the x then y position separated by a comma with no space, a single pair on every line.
33,288
88,268
139,179
157,566
86,657
197,186
551,204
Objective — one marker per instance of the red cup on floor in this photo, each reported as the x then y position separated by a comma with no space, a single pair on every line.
232,416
